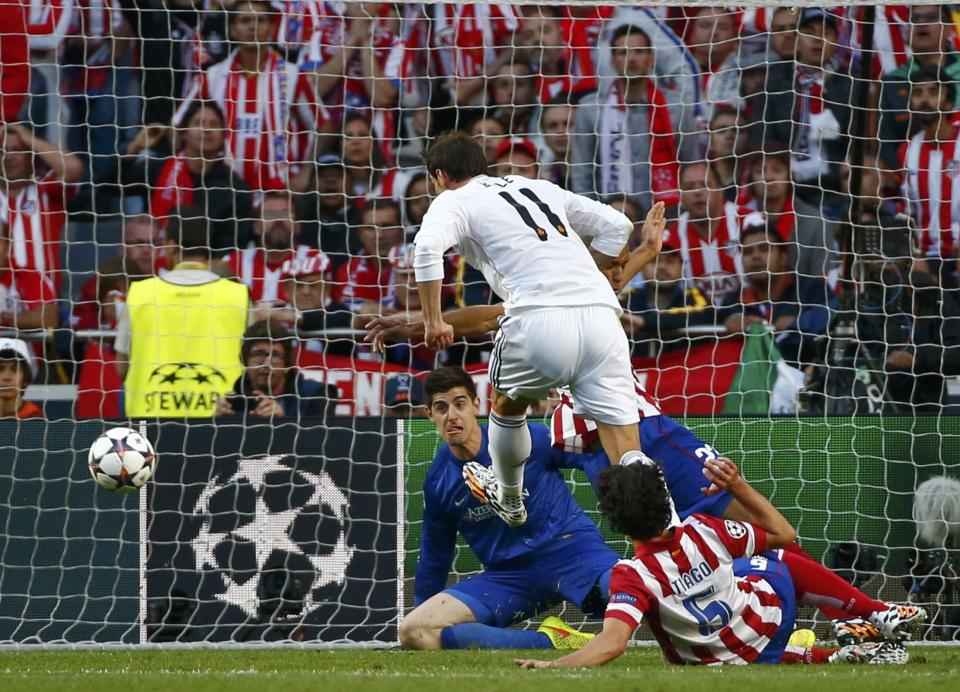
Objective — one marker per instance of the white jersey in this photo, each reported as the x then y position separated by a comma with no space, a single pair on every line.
686,589
525,236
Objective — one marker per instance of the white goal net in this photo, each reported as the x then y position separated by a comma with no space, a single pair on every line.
802,315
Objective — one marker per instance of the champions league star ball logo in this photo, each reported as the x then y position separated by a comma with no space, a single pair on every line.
171,373
269,516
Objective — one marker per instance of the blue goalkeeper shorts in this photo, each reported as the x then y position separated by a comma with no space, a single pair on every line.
776,574
575,567
681,455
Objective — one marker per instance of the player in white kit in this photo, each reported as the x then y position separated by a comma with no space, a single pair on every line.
561,323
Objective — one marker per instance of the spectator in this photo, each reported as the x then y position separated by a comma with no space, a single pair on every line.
178,40
783,33
176,349
812,117
625,138
28,299
415,200
468,42
17,369
96,83
516,156
403,396
259,265
195,173
707,233
811,239
363,161
662,303
325,214
513,96
362,68
35,184
490,132
928,171
911,328
797,307
271,385
264,137
541,42
310,308
556,123
138,259
877,206
712,38
362,283
722,151
930,39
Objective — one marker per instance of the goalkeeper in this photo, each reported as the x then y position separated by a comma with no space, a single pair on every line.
558,554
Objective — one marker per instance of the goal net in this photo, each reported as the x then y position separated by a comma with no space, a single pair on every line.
201,202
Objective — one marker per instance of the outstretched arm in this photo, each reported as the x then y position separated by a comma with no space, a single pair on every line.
475,320
724,475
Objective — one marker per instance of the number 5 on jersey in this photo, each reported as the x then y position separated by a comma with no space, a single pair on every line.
527,217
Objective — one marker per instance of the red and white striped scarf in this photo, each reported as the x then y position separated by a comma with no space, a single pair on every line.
616,156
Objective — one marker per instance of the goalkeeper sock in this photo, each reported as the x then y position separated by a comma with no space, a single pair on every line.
820,587
474,635
509,445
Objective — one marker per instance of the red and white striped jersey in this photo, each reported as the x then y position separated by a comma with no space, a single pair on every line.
24,289
265,280
271,116
574,433
35,218
714,265
931,186
299,20
362,279
685,587
466,36
47,24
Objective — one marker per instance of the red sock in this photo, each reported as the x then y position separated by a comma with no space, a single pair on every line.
818,586
814,654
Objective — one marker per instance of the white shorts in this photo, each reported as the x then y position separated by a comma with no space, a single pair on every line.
583,347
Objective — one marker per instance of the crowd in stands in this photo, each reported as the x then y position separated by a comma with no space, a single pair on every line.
293,130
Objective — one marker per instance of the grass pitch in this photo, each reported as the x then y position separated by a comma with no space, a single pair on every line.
930,669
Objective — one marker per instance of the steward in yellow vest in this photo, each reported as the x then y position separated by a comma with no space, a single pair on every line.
179,339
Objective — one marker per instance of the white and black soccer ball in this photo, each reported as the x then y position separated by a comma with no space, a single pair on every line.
122,460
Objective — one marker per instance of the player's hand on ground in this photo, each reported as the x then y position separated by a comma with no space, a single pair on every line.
532,663
438,336
722,473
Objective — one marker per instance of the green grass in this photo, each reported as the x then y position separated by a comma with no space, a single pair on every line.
450,671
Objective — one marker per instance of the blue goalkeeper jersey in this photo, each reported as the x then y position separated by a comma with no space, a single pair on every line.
449,507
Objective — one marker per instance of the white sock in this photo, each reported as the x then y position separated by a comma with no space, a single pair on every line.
509,447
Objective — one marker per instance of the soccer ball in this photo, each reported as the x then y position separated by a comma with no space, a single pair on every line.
121,460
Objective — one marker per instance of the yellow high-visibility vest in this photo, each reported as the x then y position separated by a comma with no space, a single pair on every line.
185,346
